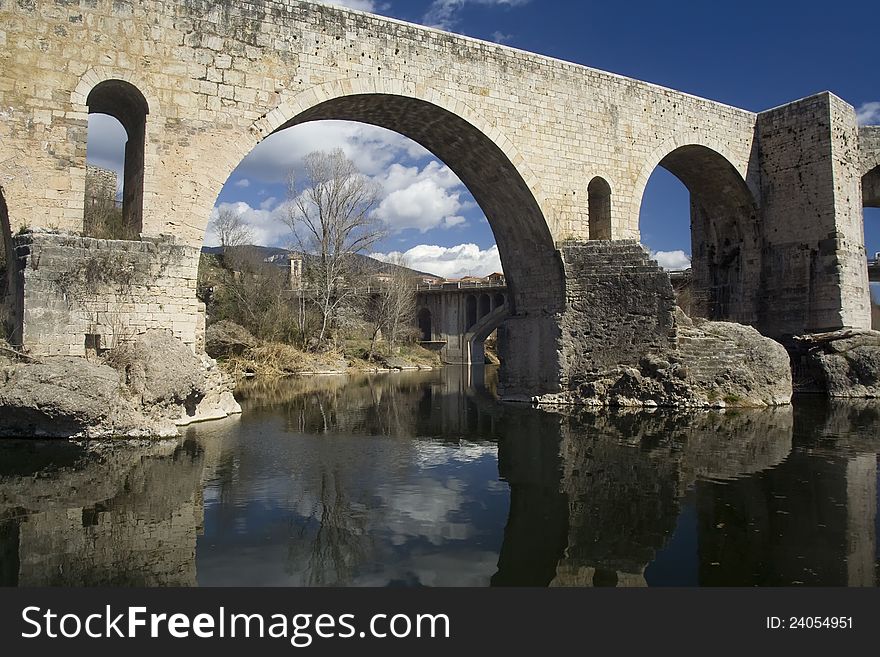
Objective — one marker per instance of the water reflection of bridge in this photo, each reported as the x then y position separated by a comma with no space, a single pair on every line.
594,497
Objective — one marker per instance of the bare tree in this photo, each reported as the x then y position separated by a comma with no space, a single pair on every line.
231,228
331,217
393,308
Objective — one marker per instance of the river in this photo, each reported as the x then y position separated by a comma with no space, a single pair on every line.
425,479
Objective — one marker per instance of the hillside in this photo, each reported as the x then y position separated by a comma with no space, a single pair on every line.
281,257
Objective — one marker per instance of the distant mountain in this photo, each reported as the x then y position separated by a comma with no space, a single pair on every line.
281,257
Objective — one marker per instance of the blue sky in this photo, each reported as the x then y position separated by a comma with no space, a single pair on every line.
751,54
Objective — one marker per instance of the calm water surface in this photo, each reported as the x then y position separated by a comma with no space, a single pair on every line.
424,479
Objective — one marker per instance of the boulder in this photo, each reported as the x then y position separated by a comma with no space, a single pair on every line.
63,397
711,364
842,363
146,387
160,372
227,338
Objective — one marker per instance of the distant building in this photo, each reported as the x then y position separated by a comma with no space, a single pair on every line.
496,278
101,185
296,273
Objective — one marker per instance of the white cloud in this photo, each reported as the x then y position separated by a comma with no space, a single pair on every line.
266,224
443,14
363,5
421,198
243,183
371,148
868,113
674,260
449,262
106,144
501,37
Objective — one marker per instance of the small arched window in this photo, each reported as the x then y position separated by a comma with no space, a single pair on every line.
125,103
599,200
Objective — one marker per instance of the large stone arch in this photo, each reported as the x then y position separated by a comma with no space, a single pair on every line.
485,160
725,228
488,164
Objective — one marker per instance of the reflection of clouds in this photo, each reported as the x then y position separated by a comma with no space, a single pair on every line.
340,509
424,511
431,454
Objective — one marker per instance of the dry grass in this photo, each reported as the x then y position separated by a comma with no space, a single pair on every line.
276,360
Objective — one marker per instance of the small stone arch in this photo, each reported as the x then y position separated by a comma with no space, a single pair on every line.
426,330
599,209
498,300
126,103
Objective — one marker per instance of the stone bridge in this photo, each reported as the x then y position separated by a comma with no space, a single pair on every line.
456,318
556,154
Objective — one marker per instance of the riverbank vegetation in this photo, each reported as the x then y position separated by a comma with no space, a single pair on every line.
321,305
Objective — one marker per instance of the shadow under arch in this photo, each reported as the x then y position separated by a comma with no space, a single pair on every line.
7,275
725,235
525,244
871,188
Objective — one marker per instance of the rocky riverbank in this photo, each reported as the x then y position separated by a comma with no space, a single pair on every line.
708,364
843,364
144,388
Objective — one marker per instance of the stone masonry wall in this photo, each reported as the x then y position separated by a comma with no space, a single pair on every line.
814,275
220,76
869,145
73,287
620,307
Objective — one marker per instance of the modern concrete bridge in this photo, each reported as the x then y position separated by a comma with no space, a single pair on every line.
556,154
456,318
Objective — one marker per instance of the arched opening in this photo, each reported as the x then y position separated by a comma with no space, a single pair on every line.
126,104
425,328
723,235
535,283
498,300
485,305
482,338
599,208
871,188
470,314
512,213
